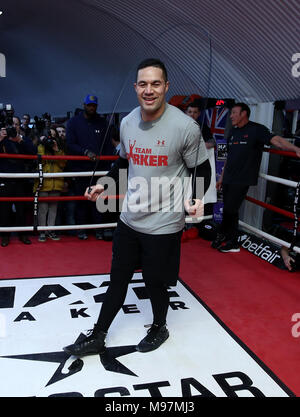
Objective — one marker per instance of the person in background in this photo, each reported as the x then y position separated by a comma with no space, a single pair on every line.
245,145
66,209
25,125
52,187
85,136
12,141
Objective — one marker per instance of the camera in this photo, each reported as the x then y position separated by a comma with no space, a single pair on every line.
49,142
41,122
6,120
11,132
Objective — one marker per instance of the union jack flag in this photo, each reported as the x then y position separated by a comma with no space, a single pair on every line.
216,121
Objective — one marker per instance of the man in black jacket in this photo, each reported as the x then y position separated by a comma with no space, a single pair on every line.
85,136
245,145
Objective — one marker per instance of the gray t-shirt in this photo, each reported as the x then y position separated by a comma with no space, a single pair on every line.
159,153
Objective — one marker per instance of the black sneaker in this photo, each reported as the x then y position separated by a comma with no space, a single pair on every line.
217,243
230,247
42,237
24,239
4,241
52,236
156,336
93,343
82,236
99,235
108,235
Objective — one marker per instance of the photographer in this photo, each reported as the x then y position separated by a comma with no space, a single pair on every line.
66,209
52,187
25,125
13,142
42,125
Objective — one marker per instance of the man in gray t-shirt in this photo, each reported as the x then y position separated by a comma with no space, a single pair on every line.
162,148
159,153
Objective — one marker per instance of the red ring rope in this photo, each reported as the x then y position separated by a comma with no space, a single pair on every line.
68,198
112,157
65,157
271,207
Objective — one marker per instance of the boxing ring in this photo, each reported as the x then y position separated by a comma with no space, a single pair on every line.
45,311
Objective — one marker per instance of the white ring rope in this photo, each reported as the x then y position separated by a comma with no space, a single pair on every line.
271,178
53,175
69,227
278,180
267,236
84,226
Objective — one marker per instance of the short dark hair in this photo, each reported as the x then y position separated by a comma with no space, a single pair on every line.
17,117
244,107
153,62
194,104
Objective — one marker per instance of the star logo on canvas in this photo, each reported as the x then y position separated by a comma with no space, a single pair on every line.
108,360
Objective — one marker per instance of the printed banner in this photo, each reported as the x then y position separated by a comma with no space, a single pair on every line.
216,120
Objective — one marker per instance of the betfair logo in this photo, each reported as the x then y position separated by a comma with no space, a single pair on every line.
2,65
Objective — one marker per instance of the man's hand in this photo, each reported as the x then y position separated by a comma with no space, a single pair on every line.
91,155
17,139
194,208
287,259
219,185
93,193
285,145
55,146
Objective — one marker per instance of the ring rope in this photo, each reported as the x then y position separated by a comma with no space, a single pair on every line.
267,236
52,174
74,226
271,207
113,157
278,180
59,157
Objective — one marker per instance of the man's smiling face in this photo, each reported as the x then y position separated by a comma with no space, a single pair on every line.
151,89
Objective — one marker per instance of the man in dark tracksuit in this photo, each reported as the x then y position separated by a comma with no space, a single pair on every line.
245,145
85,135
